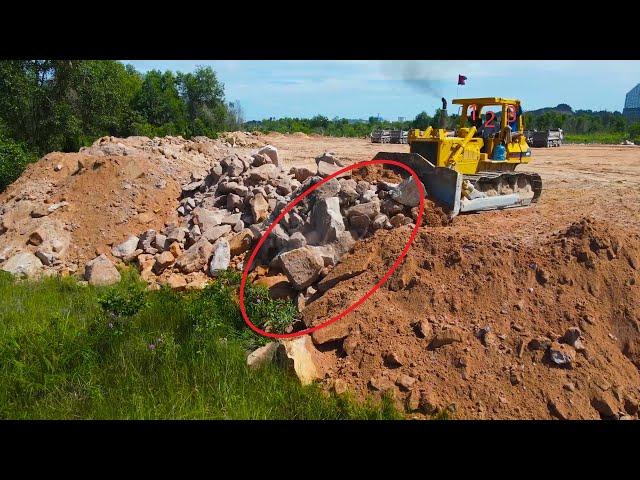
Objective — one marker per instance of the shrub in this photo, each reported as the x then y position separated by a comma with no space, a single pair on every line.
125,298
14,158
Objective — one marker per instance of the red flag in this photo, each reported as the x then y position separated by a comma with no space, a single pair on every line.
461,79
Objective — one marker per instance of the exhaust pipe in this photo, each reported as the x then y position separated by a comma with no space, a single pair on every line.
443,114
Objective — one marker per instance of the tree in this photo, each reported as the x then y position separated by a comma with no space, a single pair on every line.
25,105
63,104
93,98
203,95
634,131
159,104
319,121
422,121
236,116
14,158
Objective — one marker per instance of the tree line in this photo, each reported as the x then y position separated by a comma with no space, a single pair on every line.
579,122
340,127
62,105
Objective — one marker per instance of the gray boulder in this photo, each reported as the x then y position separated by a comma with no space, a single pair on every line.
100,271
220,258
327,218
125,248
24,264
195,257
370,209
271,152
301,266
407,193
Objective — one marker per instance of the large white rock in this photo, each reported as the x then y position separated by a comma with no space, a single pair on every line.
24,264
262,355
407,193
100,271
271,152
298,356
328,219
125,248
220,258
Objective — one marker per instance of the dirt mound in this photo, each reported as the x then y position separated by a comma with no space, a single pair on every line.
487,328
68,207
100,199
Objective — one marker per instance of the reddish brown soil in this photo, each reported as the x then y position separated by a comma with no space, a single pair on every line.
585,276
110,199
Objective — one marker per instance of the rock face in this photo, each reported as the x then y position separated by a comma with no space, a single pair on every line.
23,264
302,267
100,271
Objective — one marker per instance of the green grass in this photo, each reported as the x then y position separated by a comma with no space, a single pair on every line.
602,138
69,351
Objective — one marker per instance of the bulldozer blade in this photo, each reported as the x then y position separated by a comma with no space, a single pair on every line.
442,185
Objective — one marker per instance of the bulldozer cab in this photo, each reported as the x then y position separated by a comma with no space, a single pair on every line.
493,125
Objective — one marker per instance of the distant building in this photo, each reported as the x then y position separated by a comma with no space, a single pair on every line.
401,119
632,104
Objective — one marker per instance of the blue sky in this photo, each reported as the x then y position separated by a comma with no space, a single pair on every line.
363,88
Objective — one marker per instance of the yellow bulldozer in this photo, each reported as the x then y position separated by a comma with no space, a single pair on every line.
474,167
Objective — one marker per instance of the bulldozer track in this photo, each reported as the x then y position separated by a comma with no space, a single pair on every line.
494,179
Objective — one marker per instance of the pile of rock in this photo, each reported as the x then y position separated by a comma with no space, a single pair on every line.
321,229
226,209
